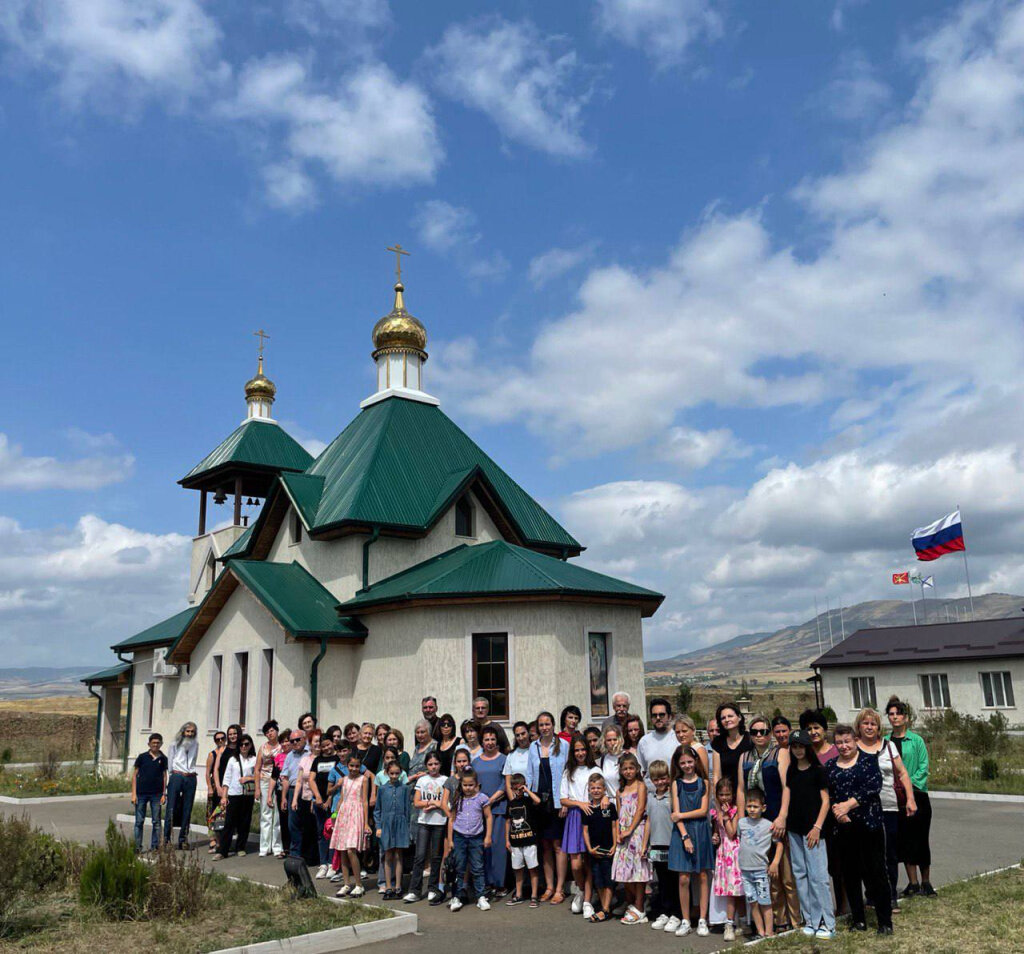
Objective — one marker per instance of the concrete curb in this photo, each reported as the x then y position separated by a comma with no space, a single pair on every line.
56,799
338,939
130,820
978,797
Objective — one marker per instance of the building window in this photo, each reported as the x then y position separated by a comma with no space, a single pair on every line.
216,684
597,654
935,689
240,689
148,696
211,571
463,517
862,691
266,684
997,688
296,528
490,671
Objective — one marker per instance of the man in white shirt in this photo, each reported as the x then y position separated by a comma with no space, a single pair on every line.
660,742
181,781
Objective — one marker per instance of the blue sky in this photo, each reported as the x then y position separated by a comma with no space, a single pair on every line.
734,289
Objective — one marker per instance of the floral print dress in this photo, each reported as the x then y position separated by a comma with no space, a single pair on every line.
727,882
630,864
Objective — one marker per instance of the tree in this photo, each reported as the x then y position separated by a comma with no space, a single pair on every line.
684,697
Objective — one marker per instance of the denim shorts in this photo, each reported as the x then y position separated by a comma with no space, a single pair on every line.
756,887
601,869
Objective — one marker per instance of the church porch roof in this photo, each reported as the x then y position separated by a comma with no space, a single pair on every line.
159,634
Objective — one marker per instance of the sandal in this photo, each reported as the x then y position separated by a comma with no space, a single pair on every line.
558,898
534,903
599,917
546,896
630,917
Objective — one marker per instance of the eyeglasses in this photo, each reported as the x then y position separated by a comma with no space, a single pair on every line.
758,731
219,738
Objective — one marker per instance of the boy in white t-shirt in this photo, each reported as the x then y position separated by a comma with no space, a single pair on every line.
430,799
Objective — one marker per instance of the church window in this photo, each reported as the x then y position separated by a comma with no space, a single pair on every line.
463,517
216,682
149,692
211,571
267,684
490,671
296,527
240,695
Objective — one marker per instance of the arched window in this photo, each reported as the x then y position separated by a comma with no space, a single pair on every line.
463,517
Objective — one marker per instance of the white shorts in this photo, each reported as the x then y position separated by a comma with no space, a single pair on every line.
524,857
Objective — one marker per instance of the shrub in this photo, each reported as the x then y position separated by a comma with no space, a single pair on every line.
684,697
177,885
829,713
30,861
49,768
114,879
989,769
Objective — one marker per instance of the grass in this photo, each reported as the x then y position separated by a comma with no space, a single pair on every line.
237,913
84,705
28,783
979,916
953,770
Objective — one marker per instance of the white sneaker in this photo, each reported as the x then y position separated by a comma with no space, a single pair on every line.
684,928
483,904
337,876
702,928
321,872
672,925
588,910
577,904
729,934
411,897
658,924
454,904
431,895
358,891
343,891
824,934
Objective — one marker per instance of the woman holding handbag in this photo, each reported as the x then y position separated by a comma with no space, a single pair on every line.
239,798
897,793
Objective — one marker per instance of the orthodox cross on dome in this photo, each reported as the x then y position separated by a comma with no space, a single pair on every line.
261,334
399,252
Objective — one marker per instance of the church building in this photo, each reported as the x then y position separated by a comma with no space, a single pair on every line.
402,562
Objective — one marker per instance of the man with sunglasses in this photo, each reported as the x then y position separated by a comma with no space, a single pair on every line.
660,742
296,748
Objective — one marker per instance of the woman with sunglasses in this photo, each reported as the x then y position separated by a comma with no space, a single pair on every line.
447,742
240,795
764,767
212,797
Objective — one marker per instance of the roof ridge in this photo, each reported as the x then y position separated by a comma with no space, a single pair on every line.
389,410
537,569
414,566
472,552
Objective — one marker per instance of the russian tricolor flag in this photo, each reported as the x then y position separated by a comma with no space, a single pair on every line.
937,539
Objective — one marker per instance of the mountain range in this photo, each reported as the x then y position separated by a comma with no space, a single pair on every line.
36,681
787,654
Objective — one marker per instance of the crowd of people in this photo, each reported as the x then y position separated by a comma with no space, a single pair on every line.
757,823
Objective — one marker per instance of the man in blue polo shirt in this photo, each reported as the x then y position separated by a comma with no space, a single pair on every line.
149,788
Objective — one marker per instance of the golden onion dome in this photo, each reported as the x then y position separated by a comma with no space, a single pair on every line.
399,330
260,388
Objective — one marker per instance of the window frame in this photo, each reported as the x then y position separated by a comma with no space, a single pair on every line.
295,529
240,686
216,697
1005,684
928,681
148,706
470,512
856,683
266,700
609,643
474,682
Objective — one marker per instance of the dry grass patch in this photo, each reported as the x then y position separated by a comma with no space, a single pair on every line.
979,916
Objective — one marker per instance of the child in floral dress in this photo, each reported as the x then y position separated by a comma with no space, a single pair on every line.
727,882
351,826
631,867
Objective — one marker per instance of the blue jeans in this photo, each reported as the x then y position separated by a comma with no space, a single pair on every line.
496,857
323,843
141,802
810,871
468,849
185,787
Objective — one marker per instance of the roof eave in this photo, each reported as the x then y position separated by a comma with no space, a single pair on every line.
648,605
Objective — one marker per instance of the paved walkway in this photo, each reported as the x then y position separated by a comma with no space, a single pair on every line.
968,837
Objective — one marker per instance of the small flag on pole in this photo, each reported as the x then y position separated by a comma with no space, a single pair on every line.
939,538
900,578
928,581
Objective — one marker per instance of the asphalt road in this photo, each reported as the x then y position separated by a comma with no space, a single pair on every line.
968,837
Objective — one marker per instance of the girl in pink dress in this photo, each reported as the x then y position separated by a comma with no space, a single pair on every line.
631,867
351,826
727,882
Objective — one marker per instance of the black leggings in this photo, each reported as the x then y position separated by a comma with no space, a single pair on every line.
666,899
237,820
862,858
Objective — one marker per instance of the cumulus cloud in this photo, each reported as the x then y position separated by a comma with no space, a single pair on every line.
67,594
531,89
664,29
106,463
556,262
856,92
693,449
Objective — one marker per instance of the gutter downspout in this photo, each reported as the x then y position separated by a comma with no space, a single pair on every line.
128,716
99,718
374,537
314,675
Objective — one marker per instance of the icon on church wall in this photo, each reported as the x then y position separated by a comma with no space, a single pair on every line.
598,652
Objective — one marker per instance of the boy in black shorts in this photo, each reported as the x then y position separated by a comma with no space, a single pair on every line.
601,835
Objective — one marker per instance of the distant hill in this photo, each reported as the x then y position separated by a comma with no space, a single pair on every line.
32,682
790,651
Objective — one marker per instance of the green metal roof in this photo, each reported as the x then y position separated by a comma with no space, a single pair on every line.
106,675
256,444
497,569
240,545
295,598
304,491
401,462
161,634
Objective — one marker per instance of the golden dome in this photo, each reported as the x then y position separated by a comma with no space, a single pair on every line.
260,388
399,330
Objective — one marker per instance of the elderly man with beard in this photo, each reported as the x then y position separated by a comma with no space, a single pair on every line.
620,713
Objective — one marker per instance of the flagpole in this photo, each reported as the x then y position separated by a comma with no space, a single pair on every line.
817,622
842,624
828,609
967,570
924,605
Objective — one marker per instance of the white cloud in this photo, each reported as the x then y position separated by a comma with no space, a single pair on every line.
369,128
452,230
664,29
692,449
856,92
555,262
340,19
516,76
106,464
116,48
67,594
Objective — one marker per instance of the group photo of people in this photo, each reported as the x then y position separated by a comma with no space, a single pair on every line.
747,824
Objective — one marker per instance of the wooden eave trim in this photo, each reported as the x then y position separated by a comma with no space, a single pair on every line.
214,477
647,605
200,623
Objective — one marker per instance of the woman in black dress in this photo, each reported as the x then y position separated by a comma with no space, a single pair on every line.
731,743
